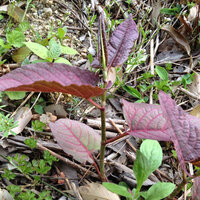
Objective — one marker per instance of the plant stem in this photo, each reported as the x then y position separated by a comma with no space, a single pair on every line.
103,136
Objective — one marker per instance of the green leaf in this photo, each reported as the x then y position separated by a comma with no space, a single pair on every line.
39,109
132,91
15,38
15,95
152,150
118,189
31,142
162,73
158,191
61,33
62,60
68,50
141,169
37,49
54,49
37,125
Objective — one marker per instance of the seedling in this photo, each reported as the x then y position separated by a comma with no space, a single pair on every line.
148,159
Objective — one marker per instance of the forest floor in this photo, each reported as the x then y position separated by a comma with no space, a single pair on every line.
165,57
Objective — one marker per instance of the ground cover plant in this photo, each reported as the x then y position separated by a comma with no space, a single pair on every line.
164,122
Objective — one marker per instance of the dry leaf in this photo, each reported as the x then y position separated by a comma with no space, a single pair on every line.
195,87
96,191
16,13
23,116
156,11
178,37
5,195
196,111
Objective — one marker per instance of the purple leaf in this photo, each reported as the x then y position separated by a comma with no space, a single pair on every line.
183,129
121,42
145,121
52,77
196,189
167,122
76,139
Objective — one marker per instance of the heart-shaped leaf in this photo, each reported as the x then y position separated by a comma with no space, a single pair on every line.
52,77
121,42
76,139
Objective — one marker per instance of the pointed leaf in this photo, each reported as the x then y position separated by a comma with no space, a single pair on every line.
145,121
102,40
52,77
121,42
37,49
178,37
184,130
159,191
76,138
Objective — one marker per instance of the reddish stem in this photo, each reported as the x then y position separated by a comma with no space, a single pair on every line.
97,168
96,104
116,138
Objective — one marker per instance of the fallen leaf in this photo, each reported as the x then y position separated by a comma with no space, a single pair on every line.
178,37
20,54
16,13
196,111
96,191
23,117
195,86
5,195
57,110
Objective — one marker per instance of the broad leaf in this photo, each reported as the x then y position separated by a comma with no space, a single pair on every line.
158,191
153,152
162,73
68,50
76,139
184,130
145,121
121,42
141,169
52,77
118,189
37,49
16,95
166,122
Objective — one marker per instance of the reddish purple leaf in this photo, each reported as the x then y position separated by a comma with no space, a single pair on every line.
145,121
52,77
183,129
121,42
76,138
196,189
166,122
